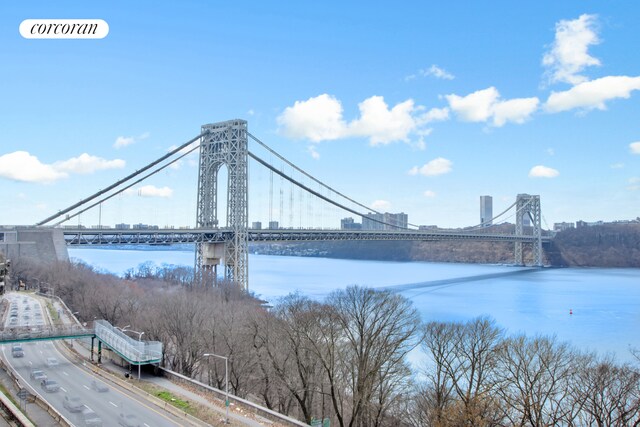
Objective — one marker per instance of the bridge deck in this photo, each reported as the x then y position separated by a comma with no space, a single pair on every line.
81,236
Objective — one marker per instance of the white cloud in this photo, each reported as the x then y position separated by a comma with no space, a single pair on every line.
438,166
317,119
514,110
25,167
153,191
435,115
381,205
484,105
551,151
85,164
617,166
634,147
568,55
543,172
191,158
437,72
321,119
593,94
429,194
475,107
381,124
123,141
634,184
22,166
312,150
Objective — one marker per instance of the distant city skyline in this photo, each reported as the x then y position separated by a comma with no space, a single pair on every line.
421,108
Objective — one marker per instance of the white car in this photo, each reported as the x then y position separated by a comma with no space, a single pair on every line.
73,403
52,362
38,375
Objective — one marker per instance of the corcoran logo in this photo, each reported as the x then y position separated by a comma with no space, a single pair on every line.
64,29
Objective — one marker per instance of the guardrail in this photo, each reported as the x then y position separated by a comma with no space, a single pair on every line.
257,409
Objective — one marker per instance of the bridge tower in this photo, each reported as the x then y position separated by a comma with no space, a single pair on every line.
529,206
224,143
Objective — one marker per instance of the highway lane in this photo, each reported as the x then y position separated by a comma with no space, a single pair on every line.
74,380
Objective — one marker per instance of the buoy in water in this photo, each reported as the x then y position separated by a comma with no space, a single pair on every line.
570,311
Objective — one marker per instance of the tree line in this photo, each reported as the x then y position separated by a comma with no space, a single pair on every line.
345,358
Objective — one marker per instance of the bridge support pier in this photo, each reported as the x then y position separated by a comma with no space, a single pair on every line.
528,206
224,143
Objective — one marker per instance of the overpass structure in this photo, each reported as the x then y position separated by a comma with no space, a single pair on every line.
135,352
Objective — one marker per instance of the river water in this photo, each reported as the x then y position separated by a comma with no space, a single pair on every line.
592,308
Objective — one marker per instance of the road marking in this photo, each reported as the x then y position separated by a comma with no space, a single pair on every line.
64,373
61,388
147,425
30,362
86,387
113,404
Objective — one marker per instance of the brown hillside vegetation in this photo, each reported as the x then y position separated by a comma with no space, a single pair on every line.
607,245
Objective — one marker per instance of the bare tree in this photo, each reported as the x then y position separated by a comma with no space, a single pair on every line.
375,331
537,378
610,393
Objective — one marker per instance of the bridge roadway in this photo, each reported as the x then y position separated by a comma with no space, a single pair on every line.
167,236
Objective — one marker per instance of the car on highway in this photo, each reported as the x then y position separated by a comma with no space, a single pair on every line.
50,386
128,420
38,375
51,362
91,419
17,351
73,403
99,386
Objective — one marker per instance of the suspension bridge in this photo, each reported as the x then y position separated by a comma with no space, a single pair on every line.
227,144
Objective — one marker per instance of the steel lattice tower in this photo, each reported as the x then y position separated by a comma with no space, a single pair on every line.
224,143
529,205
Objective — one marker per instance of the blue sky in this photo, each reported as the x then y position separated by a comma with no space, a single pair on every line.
419,107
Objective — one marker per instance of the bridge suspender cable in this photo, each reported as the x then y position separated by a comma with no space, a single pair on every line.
68,217
318,181
111,187
315,193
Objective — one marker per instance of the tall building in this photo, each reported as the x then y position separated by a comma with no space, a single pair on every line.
385,221
486,210
350,224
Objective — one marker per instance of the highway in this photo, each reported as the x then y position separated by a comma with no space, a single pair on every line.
98,400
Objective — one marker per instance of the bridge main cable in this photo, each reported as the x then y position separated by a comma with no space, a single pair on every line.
269,149
315,193
123,180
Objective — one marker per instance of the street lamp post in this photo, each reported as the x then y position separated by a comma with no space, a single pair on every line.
226,381
140,334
